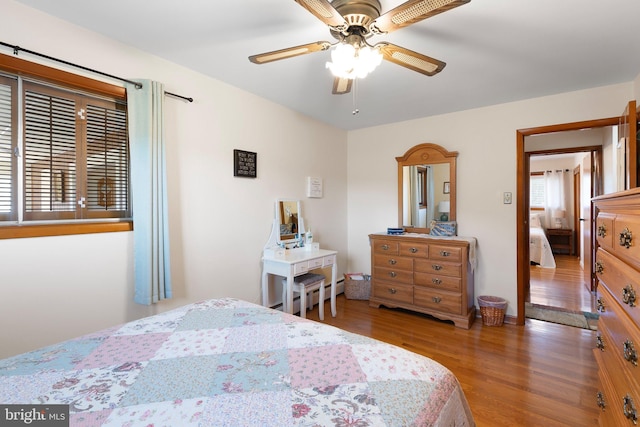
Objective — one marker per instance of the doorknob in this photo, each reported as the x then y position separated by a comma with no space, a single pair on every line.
581,219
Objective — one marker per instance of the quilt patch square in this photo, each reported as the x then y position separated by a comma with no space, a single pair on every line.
179,412
198,342
249,410
120,349
251,372
255,338
57,357
324,366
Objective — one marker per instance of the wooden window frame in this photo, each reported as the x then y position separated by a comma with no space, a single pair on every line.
16,66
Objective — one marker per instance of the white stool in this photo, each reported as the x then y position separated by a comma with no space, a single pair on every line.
306,284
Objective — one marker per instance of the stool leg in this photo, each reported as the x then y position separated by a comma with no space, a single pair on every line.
321,301
303,303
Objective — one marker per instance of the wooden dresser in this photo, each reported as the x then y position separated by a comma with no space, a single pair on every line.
425,274
617,267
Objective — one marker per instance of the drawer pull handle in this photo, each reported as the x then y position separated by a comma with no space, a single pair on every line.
385,247
629,296
602,230
630,354
392,274
392,291
436,267
600,306
436,300
625,238
436,281
445,253
600,400
599,267
600,342
629,409
392,261
413,250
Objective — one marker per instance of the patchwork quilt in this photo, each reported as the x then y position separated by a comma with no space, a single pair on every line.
227,362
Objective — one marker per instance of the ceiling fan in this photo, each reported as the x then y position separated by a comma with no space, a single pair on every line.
352,22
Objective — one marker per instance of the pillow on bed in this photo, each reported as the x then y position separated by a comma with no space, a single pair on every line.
534,221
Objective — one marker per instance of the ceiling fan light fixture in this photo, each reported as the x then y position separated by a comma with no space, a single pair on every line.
351,62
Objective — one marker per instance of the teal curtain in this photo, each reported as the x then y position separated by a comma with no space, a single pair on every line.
152,270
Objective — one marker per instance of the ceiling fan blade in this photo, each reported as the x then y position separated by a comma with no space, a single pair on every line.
324,11
409,59
341,86
290,52
411,12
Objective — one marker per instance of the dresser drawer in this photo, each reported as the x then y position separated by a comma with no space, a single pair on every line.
604,229
394,262
438,267
393,291
436,281
445,253
615,388
385,247
621,280
414,249
393,275
627,226
621,338
436,300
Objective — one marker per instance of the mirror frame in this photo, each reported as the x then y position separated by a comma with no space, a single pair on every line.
422,154
288,238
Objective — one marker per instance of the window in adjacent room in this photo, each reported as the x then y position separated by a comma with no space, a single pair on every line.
64,155
537,191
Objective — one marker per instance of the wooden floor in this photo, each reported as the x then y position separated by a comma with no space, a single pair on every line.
539,374
563,287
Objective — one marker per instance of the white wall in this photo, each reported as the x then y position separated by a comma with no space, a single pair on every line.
486,141
56,288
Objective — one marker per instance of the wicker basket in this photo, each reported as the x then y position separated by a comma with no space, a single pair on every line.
492,310
357,289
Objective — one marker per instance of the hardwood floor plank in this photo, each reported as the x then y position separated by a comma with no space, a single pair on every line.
539,374
563,287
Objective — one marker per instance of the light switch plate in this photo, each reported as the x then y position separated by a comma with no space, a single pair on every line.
506,198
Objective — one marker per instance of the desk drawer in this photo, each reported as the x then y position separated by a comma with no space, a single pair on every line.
315,263
328,260
300,267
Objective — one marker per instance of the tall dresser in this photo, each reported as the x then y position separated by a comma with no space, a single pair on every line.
617,267
422,273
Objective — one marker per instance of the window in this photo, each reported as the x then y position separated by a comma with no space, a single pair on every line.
537,194
64,156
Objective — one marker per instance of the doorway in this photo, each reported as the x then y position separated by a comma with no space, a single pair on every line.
557,279
523,203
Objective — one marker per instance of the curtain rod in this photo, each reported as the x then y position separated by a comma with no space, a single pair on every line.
17,49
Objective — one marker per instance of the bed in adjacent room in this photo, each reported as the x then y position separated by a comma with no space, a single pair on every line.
227,362
539,248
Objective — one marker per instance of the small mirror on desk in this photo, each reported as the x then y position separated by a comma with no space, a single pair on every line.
288,231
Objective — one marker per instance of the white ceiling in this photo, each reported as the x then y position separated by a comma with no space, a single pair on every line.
496,51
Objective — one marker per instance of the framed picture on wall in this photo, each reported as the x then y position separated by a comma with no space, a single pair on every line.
445,187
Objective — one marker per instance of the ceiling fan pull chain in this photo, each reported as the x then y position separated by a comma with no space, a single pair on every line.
355,95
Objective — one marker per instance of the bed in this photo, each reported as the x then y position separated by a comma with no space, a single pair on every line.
227,362
539,248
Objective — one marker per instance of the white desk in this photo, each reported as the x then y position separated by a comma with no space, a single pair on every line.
294,263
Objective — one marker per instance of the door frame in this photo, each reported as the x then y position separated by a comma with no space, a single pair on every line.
522,199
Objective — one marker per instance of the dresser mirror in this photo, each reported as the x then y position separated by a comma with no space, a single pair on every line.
426,186
289,220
